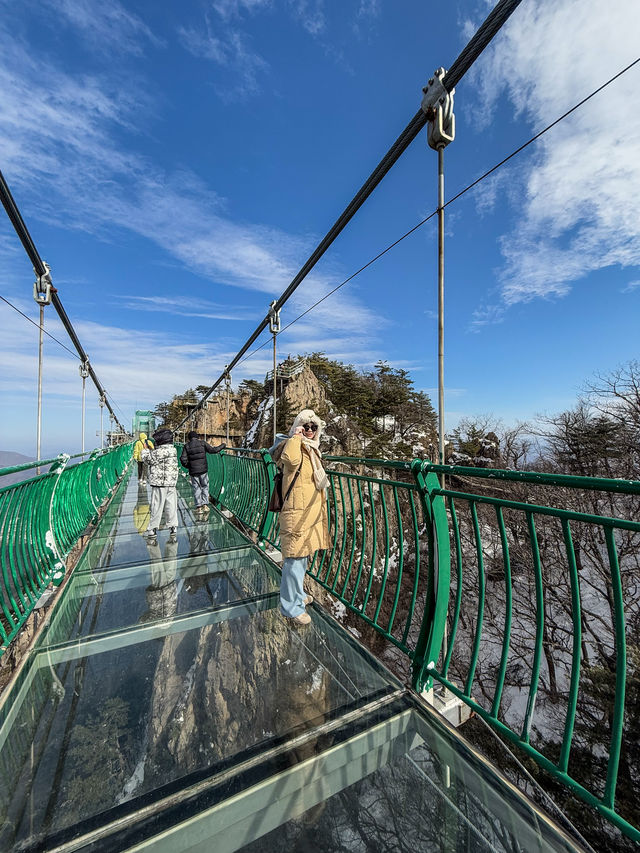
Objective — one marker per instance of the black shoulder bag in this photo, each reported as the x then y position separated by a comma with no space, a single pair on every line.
276,501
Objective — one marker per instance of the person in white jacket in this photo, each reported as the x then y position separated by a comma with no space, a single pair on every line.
163,476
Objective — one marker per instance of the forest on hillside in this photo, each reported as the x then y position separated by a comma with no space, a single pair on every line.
598,437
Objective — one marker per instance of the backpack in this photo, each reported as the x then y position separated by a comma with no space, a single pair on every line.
276,501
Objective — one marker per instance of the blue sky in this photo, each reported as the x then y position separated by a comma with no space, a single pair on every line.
176,163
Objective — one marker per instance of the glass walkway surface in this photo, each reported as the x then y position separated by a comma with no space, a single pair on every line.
168,706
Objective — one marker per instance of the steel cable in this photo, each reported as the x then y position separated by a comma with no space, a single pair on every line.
494,21
37,325
451,200
39,268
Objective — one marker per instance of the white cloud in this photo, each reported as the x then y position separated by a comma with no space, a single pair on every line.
311,15
229,48
486,315
187,307
229,9
631,286
579,208
83,179
107,27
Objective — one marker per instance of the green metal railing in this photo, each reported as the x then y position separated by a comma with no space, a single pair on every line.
525,547
553,569
41,519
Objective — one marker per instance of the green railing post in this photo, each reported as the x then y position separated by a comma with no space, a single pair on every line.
436,604
50,543
270,469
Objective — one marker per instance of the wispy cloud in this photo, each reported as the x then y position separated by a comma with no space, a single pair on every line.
631,286
311,14
230,48
107,27
85,180
579,209
83,170
229,9
185,307
487,315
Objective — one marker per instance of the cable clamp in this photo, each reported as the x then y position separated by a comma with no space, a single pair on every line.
274,318
42,286
227,377
437,105
84,369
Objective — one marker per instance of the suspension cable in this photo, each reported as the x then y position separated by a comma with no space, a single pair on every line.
494,21
447,203
38,326
40,270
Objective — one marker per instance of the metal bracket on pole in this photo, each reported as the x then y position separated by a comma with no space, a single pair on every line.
84,373
437,105
274,318
42,286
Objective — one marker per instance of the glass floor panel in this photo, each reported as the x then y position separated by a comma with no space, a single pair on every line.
404,785
107,720
102,600
168,706
115,549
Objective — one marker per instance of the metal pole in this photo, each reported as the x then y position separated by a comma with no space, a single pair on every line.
84,383
84,372
441,305
228,384
40,346
101,423
275,387
274,328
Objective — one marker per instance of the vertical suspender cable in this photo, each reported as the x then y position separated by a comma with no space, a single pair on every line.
441,306
40,347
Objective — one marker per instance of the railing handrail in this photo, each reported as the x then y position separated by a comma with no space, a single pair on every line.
40,463
354,572
41,519
604,484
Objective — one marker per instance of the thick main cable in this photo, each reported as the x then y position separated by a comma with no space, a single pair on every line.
451,200
494,21
39,268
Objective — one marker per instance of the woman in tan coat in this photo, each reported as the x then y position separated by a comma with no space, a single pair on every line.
303,518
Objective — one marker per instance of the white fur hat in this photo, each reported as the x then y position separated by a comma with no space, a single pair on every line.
308,416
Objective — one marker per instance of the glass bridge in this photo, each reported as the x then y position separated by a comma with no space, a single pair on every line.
168,706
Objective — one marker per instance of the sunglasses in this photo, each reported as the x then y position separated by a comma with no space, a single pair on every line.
310,427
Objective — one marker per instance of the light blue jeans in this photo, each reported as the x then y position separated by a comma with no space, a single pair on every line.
200,486
292,594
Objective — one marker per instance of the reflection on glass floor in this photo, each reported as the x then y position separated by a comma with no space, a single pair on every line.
169,706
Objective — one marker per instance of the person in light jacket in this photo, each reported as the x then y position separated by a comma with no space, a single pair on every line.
303,518
194,459
163,476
